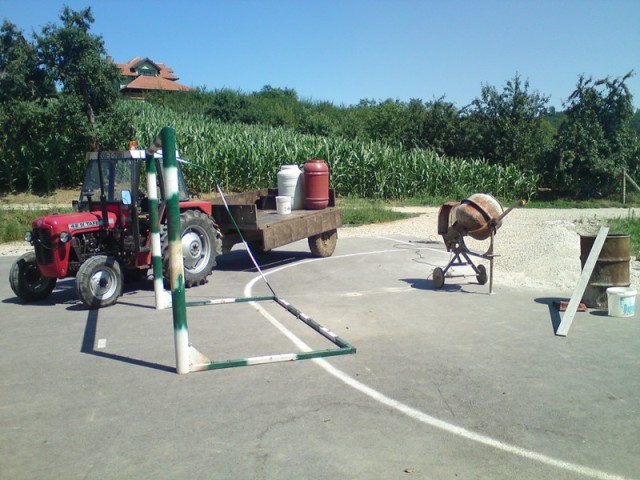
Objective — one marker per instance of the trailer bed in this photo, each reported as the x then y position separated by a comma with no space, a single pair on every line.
255,215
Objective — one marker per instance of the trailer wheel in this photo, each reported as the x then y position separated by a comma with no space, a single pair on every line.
200,246
438,277
99,281
26,280
324,244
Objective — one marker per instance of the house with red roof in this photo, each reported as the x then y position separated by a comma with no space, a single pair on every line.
140,75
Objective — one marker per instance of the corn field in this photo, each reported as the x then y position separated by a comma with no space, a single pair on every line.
242,157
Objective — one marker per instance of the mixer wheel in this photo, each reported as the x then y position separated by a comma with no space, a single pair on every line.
438,277
482,275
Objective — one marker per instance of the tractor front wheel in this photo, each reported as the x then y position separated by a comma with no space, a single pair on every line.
26,280
99,282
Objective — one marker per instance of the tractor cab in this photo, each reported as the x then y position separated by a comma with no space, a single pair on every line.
117,179
115,188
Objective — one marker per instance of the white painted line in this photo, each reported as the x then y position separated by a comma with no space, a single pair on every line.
413,412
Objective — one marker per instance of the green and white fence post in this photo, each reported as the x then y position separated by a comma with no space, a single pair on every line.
188,359
163,298
176,266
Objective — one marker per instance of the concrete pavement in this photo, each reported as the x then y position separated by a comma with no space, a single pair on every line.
450,383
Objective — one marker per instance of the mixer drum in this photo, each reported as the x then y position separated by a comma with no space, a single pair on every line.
475,213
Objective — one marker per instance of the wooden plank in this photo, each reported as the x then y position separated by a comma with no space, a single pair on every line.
300,226
574,302
632,181
246,216
239,198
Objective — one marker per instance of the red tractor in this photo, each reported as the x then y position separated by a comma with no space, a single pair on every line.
108,239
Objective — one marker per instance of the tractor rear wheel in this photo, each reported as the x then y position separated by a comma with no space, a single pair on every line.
200,246
26,280
99,282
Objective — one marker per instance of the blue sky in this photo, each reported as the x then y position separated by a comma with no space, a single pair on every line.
348,50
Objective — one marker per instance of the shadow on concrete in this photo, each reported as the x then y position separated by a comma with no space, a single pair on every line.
63,293
89,342
428,284
555,315
239,260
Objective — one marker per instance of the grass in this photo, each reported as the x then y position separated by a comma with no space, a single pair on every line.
627,225
363,212
14,223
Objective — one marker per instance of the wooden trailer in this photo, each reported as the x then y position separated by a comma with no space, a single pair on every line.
264,228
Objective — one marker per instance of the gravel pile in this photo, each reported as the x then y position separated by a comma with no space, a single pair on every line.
535,248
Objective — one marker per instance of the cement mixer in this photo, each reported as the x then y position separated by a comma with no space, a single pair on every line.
479,217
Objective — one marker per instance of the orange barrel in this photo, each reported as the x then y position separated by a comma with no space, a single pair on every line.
611,268
316,184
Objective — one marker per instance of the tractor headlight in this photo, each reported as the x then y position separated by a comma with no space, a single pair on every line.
65,237
28,237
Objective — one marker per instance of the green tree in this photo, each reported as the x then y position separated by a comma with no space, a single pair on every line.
77,60
272,106
508,127
44,133
635,122
596,140
440,126
386,121
227,105
21,76
25,109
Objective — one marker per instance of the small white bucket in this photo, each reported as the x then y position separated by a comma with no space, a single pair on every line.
283,205
621,301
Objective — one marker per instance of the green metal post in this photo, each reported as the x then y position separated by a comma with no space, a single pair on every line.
163,299
188,359
176,266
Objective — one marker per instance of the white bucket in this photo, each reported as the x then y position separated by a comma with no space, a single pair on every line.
283,205
621,301
290,185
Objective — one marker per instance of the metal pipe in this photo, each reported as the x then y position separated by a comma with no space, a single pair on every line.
344,347
225,301
163,298
185,362
176,264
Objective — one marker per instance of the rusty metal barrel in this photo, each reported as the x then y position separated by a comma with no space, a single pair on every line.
611,269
